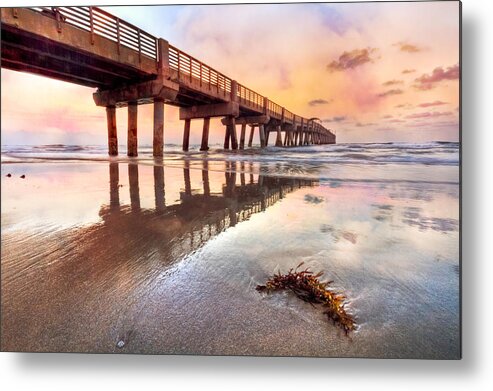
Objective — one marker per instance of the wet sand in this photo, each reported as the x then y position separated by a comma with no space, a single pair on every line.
141,257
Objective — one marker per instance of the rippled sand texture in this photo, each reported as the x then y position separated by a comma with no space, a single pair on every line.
144,258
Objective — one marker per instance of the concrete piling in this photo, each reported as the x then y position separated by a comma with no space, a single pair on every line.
204,146
261,131
227,136
158,139
242,136
132,130
232,126
112,134
250,140
186,135
278,136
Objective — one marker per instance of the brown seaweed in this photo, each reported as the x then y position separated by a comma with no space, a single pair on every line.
307,286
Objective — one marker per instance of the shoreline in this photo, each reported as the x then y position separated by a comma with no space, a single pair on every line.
137,252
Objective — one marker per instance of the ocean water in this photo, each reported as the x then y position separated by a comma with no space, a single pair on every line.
144,255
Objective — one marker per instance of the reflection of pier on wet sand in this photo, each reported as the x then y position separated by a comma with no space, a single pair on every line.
200,214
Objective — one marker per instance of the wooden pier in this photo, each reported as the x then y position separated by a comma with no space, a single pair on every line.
129,67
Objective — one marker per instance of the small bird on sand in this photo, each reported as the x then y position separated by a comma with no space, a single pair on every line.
23,176
9,175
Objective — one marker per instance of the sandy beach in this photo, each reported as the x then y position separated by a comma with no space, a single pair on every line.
153,256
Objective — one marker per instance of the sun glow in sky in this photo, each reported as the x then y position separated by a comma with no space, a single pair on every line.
373,72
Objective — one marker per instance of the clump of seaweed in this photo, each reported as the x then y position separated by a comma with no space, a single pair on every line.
307,286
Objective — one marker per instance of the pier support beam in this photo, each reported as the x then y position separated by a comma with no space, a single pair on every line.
279,136
234,139
132,129
112,135
250,140
204,146
242,136
230,133
186,135
158,139
227,137
266,134
261,131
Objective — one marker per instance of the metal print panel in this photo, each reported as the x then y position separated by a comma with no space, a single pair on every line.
263,179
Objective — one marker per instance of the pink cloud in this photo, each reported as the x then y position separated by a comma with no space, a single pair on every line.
435,124
340,118
426,82
428,114
407,47
432,104
364,125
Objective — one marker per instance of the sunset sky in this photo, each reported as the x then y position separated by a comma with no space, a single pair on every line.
372,72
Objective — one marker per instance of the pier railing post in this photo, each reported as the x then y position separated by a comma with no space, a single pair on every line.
112,133
163,56
234,91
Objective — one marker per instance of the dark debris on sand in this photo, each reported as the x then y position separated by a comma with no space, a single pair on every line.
307,286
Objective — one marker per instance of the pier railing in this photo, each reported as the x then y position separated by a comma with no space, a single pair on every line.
189,68
274,110
99,22
250,98
288,116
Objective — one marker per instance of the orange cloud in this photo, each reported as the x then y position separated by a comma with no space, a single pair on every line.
392,83
407,47
317,102
432,104
352,59
335,119
390,93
